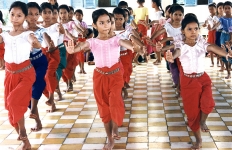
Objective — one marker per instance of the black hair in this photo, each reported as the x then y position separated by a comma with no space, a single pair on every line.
111,15
64,7
167,8
71,8
141,1
21,5
126,10
79,11
90,31
129,8
158,3
54,7
119,11
1,18
97,13
212,5
189,18
227,3
176,7
34,5
122,3
45,5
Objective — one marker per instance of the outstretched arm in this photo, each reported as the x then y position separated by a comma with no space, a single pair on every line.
49,42
129,45
34,41
80,46
166,39
136,40
156,34
217,50
170,56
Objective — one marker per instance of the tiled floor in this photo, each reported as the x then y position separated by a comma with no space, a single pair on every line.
154,118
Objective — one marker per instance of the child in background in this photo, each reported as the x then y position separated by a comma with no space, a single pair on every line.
2,49
131,15
211,33
55,14
195,84
71,13
82,38
123,4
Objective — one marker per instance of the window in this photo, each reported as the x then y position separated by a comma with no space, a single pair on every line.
192,2
108,3
5,4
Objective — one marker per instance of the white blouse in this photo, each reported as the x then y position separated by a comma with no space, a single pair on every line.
53,33
192,58
171,31
17,48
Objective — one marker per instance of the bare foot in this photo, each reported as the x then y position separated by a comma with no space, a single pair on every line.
70,88
25,145
137,62
204,127
228,76
37,127
197,146
109,145
116,136
22,135
127,85
83,71
157,62
49,102
212,65
52,108
32,116
80,72
59,94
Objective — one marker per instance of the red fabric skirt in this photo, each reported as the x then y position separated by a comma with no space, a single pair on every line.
197,97
127,65
211,37
2,50
50,77
18,90
107,92
81,55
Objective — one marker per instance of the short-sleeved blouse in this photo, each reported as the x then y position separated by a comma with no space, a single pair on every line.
192,58
226,23
17,48
106,52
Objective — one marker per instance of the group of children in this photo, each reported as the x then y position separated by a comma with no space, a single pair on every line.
53,49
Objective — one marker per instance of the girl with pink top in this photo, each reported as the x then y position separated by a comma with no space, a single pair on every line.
108,78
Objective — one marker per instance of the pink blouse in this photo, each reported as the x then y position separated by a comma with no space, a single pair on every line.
70,27
192,58
106,52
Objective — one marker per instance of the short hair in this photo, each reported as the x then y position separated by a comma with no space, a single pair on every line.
79,11
122,3
55,7
64,7
21,5
34,5
71,8
141,1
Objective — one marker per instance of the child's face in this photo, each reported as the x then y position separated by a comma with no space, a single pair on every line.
112,24
227,9
103,24
153,4
119,20
167,15
78,16
212,10
55,15
70,15
177,16
191,31
131,12
17,17
63,14
127,16
47,14
220,10
33,15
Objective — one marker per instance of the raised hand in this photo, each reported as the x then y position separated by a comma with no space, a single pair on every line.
61,29
34,41
158,46
169,56
51,47
70,46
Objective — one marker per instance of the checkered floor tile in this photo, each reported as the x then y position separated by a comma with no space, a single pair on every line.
154,118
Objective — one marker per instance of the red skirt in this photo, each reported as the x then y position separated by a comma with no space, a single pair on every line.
18,90
2,50
197,97
211,37
81,55
107,92
127,65
50,77
155,28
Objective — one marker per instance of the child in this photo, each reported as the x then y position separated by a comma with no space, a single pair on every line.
2,50
52,54
196,89
220,13
131,15
55,14
39,62
123,4
20,74
107,78
80,55
173,29
211,33
71,13
226,22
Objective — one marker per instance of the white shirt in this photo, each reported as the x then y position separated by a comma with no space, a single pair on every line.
171,31
216,20
192,58
210,21
125,35
155,15
17,48
53,33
